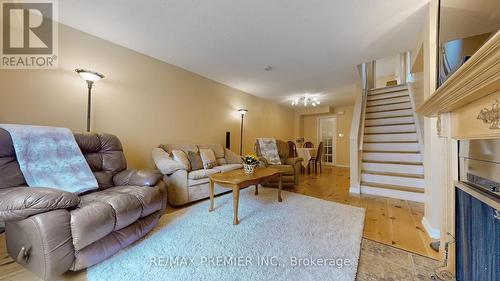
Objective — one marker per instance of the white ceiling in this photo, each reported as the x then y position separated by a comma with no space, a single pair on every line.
313,46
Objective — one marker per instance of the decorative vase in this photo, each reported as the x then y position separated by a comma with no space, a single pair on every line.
249,169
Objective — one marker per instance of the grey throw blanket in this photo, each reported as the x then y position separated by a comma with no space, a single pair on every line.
50,157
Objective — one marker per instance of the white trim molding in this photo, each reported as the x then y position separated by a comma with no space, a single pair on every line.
342,166
432,232
476,78
355,189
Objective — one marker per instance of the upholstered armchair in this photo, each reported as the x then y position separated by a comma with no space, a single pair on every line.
290,166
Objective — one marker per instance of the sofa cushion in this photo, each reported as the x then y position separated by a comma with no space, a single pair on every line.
198,181
149,197
200,174
208,158
184,147
90,222
286,169
127,207
181,157
221,161
215,147
228,167
195,160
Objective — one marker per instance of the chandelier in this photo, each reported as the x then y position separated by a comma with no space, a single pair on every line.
306,100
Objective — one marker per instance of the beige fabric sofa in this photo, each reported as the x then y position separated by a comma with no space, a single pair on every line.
184,186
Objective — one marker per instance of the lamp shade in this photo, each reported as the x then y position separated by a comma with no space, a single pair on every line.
89,76
242,111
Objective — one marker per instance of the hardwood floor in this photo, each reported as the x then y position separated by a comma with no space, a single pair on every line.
389,221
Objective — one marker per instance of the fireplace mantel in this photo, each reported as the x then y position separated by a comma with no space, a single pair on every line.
477,78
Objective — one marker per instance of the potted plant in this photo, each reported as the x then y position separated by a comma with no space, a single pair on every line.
250,161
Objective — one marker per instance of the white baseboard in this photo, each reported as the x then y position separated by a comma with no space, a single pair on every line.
342,166
355,189
397,194
432,232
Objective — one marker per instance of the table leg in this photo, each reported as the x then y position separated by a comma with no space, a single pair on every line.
236,199
257,189
279,188
211,189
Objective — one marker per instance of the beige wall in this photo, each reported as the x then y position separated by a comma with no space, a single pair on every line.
309,130
142,100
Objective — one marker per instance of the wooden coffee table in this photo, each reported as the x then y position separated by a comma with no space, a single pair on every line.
237,179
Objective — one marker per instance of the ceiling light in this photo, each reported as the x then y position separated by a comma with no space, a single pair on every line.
306,100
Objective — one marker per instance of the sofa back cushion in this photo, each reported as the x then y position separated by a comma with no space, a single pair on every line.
10,173
104,154
184,147
220,154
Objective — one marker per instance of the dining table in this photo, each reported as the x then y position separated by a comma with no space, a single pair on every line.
306,154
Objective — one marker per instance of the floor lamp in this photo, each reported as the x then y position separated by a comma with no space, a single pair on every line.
91,77
242,111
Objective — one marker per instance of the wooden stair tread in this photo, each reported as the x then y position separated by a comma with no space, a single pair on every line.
388,110
392,151
392,133
393,162
402,175
394,97
398,116
385,125
392,103
383,93
393,187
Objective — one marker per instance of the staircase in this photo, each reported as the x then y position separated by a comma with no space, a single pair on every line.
391,160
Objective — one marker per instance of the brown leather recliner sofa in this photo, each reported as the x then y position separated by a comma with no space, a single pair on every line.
50,231
290,166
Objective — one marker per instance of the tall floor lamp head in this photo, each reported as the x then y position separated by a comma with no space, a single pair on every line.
91,77
242,111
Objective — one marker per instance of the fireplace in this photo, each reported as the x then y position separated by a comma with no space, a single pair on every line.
477,205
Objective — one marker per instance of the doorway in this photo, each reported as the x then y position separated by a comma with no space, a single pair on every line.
327,132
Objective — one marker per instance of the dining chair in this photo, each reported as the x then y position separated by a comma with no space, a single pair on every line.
292,149
308,145
316,160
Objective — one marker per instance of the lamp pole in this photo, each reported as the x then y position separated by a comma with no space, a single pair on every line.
242,112
89,103
241,134
90,77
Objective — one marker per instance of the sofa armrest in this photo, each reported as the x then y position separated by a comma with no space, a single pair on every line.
21,202
293,161
142,177
231,157
165,163
263,162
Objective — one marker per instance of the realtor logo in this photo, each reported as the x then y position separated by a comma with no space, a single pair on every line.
28,34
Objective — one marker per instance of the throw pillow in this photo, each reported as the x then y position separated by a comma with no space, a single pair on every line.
195,161
164,163
208,158
269,150
181,157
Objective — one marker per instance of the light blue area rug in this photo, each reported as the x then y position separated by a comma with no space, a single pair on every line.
302,238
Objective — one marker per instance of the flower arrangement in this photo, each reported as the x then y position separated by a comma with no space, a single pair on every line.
249,163
300,141
250,159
